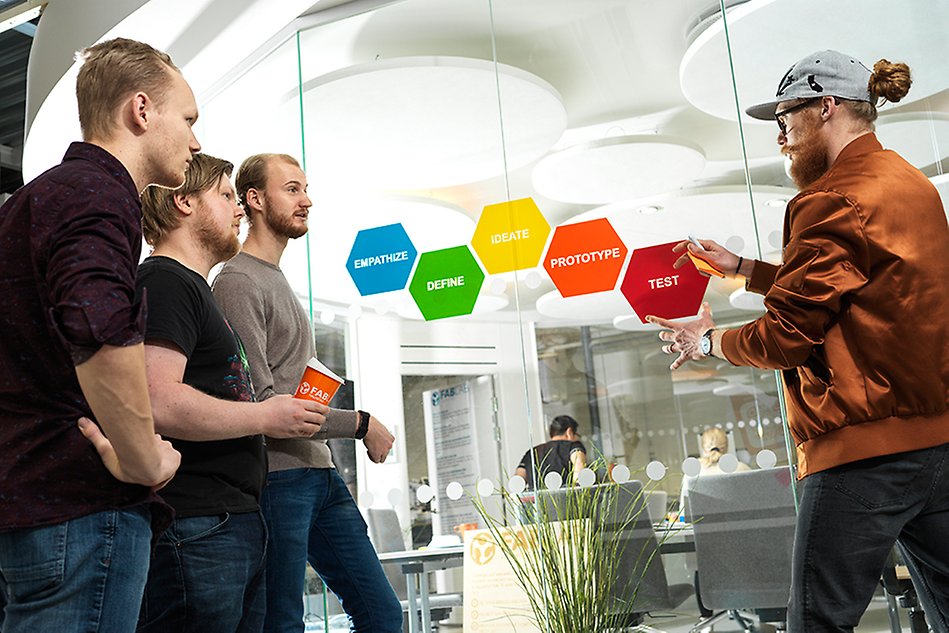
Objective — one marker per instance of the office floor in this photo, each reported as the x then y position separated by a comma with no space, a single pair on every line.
875,620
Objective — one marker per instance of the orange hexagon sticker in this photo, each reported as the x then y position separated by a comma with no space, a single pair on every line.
585,257
510,236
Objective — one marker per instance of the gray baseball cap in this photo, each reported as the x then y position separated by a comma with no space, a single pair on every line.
821,74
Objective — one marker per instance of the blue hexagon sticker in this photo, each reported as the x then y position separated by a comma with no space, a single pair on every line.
381,259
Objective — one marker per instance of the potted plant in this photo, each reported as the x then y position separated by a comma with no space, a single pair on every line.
572,553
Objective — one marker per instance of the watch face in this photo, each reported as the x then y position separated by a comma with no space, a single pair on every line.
706,344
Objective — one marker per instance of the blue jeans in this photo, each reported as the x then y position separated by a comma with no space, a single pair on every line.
207,576
86,574
849,519
312,517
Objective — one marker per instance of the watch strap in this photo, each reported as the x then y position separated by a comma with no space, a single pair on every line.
363,427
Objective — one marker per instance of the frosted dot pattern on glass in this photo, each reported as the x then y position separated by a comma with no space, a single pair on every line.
425,493
366,499
735,243
516,485
620,473
485,488
766,459
691,466
327,317
728,463
533,279
394,497
553,481
586,478
454,491
655,470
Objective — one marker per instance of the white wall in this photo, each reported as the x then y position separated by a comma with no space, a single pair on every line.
382,349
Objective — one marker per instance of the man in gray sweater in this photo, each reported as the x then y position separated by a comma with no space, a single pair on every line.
311,516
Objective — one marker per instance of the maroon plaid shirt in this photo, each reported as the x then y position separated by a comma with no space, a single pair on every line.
70,242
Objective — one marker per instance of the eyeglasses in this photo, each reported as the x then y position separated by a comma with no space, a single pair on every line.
779,116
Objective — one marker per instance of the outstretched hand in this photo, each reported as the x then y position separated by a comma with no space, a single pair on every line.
684,337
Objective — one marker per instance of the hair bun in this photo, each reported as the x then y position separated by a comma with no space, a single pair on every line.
890,81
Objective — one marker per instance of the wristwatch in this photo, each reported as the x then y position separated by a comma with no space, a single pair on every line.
363,427
706,343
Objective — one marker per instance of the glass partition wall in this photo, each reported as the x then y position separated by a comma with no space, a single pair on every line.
496,184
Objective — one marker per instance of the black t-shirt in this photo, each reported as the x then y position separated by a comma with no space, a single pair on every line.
221,475
552,456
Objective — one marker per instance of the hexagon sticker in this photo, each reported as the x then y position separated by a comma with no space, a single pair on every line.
653,286
510,236
381,259
446,283
585,257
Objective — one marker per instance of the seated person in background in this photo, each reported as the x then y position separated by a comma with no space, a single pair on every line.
714,445
564,453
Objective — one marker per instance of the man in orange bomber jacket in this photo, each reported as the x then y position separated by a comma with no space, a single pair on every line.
856,320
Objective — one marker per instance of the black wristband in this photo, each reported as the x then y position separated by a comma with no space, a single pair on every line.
363,426
741,260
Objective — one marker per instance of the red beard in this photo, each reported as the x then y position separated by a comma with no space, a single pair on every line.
809,154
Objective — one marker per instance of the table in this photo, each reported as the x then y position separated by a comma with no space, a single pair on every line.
416,564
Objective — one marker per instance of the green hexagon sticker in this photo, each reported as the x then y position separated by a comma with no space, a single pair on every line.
446,283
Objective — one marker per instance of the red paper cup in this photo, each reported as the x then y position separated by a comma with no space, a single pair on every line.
318,383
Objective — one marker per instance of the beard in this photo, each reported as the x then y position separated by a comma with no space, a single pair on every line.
282,223
809,154
222,245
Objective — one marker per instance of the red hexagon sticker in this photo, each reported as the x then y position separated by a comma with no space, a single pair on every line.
653,287
585,257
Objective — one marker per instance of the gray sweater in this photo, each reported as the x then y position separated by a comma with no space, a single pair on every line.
261,307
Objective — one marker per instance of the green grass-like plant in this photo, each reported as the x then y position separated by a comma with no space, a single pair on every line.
569,554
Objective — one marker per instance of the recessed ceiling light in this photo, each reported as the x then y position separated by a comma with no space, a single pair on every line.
649,209
776,202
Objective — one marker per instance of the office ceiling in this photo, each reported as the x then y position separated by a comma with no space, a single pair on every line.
640,83
14,55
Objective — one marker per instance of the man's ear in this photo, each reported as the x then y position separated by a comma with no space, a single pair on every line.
254,198
138,112
183,203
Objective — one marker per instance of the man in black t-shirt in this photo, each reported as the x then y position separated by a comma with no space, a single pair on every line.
563,454
207,570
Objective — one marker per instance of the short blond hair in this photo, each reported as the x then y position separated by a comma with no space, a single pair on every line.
252,174
111,71
160,215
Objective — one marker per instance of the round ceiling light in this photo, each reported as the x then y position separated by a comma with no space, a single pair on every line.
618,168
413,123
705,72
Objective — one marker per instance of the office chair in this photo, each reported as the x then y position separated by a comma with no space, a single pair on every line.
386,535
743,525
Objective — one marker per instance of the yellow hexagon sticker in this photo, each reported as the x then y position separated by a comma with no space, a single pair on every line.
510,236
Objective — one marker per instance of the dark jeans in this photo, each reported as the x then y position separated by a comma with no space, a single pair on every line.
207,576
86,574
850,517
312,517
